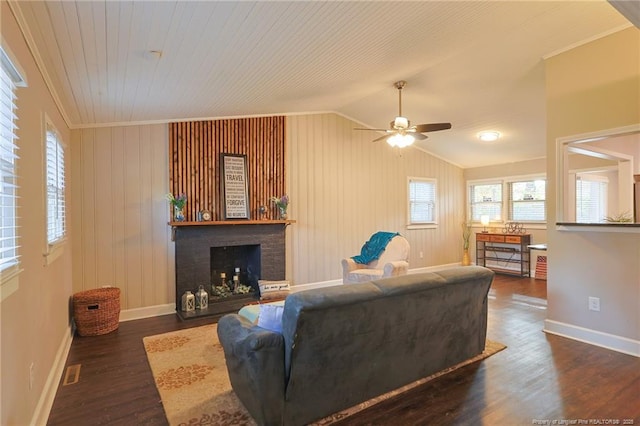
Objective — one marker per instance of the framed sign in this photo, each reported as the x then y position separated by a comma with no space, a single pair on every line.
235,188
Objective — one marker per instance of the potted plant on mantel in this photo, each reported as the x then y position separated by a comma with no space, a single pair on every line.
178,203
466,235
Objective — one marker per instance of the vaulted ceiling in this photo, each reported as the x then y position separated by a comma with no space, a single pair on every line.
476,64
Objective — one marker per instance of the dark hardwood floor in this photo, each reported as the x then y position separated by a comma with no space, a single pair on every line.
538,377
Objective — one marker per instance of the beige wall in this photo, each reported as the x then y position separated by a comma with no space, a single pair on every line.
35,318
521,168
592,88
342,187
120,178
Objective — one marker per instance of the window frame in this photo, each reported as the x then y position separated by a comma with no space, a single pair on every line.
506,208
54,247
470,203
411,224
511,201
593,177
12,76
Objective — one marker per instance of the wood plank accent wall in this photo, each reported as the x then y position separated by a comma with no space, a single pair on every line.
194,165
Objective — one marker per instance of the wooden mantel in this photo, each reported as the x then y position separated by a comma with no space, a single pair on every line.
231,222
174,224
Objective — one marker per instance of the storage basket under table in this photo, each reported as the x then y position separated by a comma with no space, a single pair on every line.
97,311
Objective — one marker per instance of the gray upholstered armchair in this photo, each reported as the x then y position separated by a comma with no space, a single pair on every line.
393,261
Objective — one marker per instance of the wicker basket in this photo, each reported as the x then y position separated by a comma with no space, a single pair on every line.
97,311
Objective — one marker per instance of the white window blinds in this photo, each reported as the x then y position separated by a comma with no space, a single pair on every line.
486,199
591,198
527,201
9,246
55,187
422,201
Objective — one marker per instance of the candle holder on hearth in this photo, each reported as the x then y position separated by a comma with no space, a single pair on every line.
188,302
202,298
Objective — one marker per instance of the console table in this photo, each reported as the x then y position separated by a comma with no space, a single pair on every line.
504,253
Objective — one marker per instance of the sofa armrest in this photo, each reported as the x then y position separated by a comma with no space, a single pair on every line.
255,362
398,267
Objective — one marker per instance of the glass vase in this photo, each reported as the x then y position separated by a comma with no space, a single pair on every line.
283,213
178,214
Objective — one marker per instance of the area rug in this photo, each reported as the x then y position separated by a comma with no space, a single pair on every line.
189,370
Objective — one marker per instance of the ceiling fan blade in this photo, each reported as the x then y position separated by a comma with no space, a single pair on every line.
433,127
380,138
418,136
375,130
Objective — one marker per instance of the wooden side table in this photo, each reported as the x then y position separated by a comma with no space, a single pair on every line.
504,253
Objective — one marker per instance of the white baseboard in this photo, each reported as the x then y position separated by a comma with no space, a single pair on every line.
43,409
157,310
433,268
593,337
331,283
319,284
147,312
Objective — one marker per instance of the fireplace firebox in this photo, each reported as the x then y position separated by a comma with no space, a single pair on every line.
226,259
204,251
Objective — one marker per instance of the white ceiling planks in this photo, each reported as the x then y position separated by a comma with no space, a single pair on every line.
475,64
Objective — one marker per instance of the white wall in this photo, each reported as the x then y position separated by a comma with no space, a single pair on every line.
35,320
591,88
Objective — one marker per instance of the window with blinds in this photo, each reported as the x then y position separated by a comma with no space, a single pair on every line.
527,201
9,238
55,187
591,198
486,200
422,201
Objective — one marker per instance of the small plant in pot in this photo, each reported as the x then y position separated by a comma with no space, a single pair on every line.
466,235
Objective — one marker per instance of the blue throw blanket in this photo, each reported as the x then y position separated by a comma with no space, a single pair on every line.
372,249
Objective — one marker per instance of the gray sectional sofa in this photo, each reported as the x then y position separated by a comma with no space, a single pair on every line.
346,344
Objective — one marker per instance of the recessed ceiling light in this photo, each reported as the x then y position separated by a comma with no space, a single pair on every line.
489,136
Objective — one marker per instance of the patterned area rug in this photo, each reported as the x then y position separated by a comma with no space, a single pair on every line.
189,369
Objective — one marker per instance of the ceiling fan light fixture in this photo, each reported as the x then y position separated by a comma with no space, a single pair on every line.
489,136
401,123
401,141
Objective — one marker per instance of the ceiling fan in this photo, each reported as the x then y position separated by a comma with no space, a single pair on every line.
401,133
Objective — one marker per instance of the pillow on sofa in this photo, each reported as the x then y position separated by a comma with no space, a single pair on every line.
271,317
270,290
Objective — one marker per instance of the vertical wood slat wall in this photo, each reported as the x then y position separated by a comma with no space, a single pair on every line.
194,162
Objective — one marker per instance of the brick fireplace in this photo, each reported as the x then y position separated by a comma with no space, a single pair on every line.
203,250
